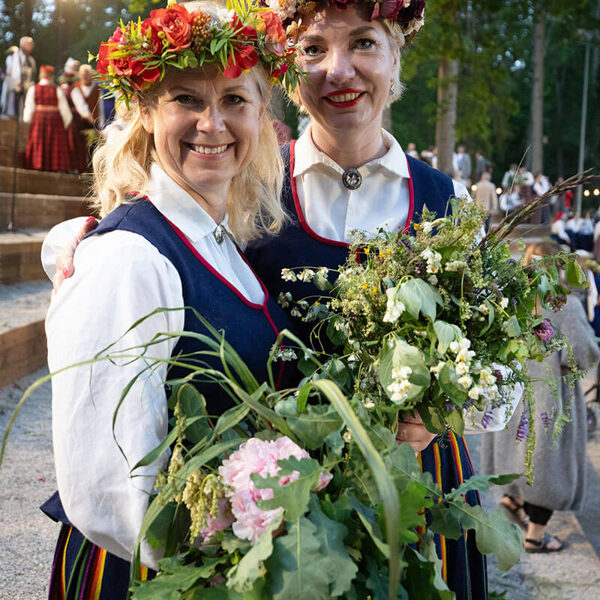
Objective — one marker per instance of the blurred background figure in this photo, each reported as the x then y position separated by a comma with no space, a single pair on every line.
558,464
462,164
485,196
87,102
411,150
558,231
20,77
482,165
510,199
47,109
5,82
509,177
283,131
77,140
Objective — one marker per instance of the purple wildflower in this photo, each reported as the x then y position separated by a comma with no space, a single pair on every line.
498,375
511,261
487,417
420,268
449,407
544,331
405,243
523,427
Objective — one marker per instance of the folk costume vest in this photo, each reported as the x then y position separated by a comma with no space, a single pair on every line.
297,246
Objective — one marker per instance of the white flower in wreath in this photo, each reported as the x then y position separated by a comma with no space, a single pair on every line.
288,275
466,381
504,303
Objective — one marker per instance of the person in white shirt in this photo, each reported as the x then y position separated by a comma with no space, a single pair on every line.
20,76
86,97
558,231
191,174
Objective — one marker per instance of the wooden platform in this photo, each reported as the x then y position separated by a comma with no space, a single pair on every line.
42,182
22,351
41,211
20,257
8,128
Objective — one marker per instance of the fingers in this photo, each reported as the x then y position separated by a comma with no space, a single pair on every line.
413,432
64,261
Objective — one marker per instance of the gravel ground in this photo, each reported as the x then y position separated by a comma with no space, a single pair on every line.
27,479
23,303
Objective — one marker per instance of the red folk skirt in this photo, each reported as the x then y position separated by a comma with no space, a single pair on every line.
47,145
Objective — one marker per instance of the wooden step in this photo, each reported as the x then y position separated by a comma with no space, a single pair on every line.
20,256
41,211
27,181
8,127
23,309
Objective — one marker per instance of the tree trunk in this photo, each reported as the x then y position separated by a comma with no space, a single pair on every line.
537,96
559,87
447,96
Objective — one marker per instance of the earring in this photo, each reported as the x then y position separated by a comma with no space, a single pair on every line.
392,89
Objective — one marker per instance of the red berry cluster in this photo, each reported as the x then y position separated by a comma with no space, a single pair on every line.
201,32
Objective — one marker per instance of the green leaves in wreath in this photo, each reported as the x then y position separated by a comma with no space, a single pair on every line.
397,353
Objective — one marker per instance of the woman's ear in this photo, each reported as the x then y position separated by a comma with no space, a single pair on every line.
147,118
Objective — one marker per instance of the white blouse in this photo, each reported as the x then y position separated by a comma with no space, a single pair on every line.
62,104
382,201
333,211
119,278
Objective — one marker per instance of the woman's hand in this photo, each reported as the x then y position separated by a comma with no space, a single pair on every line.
64,261
412,430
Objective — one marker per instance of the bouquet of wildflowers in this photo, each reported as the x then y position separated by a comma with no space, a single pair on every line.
439,322
290,495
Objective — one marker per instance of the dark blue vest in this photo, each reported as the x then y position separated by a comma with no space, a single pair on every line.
250,328
298,246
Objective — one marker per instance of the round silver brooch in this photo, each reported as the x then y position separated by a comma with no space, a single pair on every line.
219,234
352,179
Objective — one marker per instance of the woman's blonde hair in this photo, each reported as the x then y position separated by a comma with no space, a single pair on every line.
122,167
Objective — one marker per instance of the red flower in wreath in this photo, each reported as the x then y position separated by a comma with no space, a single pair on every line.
243,59
175,24
242,31
276,38
151,33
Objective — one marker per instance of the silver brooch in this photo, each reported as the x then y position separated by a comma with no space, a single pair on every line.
219,234
352,179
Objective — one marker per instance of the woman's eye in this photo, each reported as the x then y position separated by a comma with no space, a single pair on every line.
310,50
234,99
184,99
364,43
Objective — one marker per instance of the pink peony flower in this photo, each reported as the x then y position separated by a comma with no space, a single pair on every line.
260,457
219,523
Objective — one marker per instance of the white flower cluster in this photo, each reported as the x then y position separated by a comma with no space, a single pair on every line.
288,275
285,354
400,385
284,299
434,260
394,307
306,275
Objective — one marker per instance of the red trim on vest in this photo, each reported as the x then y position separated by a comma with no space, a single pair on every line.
411,200
299,212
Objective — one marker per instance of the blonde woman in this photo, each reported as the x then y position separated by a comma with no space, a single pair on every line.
175,188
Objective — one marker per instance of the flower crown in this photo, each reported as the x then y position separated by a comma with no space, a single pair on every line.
409,14
234,39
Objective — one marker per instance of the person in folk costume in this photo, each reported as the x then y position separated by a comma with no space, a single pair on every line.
21,72
86,97
77,142
195,170
47,109
5,79
345,173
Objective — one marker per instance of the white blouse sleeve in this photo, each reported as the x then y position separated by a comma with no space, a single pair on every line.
29,106
63,108
119,278
58,237
80,104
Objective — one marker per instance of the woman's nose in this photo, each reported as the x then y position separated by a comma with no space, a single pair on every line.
210,120
340,68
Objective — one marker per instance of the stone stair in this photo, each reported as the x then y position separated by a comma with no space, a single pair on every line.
33,202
